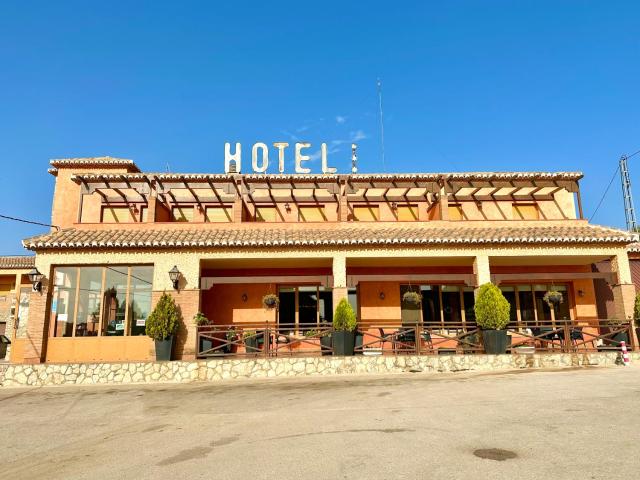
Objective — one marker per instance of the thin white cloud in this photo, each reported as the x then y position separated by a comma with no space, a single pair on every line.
340,119
358,135
291,136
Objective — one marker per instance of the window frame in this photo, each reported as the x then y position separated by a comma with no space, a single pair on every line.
359,205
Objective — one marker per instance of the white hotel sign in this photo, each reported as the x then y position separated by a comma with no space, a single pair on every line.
260,157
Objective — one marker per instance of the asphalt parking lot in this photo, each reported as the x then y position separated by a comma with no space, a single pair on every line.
579,423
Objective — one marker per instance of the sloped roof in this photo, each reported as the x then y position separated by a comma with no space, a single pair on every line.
84,162
435,233
17,262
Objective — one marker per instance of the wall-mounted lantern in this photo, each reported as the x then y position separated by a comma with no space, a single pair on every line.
174,275
244,297
381,295
35,277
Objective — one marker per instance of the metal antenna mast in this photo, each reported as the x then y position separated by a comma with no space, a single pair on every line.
384,168
629,212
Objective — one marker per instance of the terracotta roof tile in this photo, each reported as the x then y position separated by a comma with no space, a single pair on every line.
339,235
17,262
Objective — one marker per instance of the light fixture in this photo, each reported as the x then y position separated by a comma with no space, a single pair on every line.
287,207
581,293
381,295
174,275
244,297
35,277
394,205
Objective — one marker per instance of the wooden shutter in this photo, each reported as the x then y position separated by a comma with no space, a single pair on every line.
312,214
116,215
367,213
456,212
266,214
408,213
525,212
218,214
182,214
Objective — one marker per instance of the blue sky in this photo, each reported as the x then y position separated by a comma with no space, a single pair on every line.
467,85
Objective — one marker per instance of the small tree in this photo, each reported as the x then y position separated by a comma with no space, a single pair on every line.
344,318
491,308
636,310
163,321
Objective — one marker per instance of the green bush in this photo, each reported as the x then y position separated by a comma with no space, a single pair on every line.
200,320
344,318
636,310
163,322
492,309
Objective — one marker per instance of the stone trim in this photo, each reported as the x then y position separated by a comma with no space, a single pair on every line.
223,369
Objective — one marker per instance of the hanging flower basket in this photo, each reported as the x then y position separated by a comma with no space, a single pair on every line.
270,301
553,298
412,297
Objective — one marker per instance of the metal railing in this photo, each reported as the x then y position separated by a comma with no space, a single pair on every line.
392,337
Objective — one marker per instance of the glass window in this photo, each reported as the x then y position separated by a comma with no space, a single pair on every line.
117,215
366,213
469,299
287,307
525,212
456,212
430,303
325,305
353,300
89,292
23,312
562,311
144,214
407,213
451,304
510,294
182,214
544,311
140,299
308,306
527,309
218,214
64,300
115,300
312,214
410,312
266,214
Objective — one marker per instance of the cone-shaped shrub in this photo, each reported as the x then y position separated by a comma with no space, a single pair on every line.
636,310
164,320
344,318
492,309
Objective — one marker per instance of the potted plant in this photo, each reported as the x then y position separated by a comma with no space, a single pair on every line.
615,339
326,342
412,297
492,316
270,301
253,340
162,324
204,344
344,325
553,298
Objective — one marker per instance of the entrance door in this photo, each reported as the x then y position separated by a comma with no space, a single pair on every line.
304,307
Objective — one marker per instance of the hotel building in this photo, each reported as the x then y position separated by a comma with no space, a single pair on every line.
311,239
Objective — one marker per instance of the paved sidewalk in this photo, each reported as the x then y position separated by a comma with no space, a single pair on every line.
564,424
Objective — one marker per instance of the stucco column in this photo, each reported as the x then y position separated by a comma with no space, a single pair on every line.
339,279
624,291
187,297
481,270
37,325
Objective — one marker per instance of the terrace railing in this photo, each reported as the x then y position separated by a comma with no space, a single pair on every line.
392,337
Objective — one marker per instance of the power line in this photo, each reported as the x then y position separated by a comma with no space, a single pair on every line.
609,186
28,221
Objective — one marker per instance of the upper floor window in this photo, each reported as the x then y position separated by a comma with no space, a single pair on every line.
527,211
182,214
218,214
312,214
456,212
123,214
366,213
266,214
407,213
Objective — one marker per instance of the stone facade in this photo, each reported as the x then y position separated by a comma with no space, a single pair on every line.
223,369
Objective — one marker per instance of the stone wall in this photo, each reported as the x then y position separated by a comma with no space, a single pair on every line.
222,369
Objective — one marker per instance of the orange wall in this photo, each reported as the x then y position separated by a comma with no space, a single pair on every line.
373,308
100,349
222,304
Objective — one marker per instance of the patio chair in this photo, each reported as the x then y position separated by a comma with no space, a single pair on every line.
404,340
384,338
